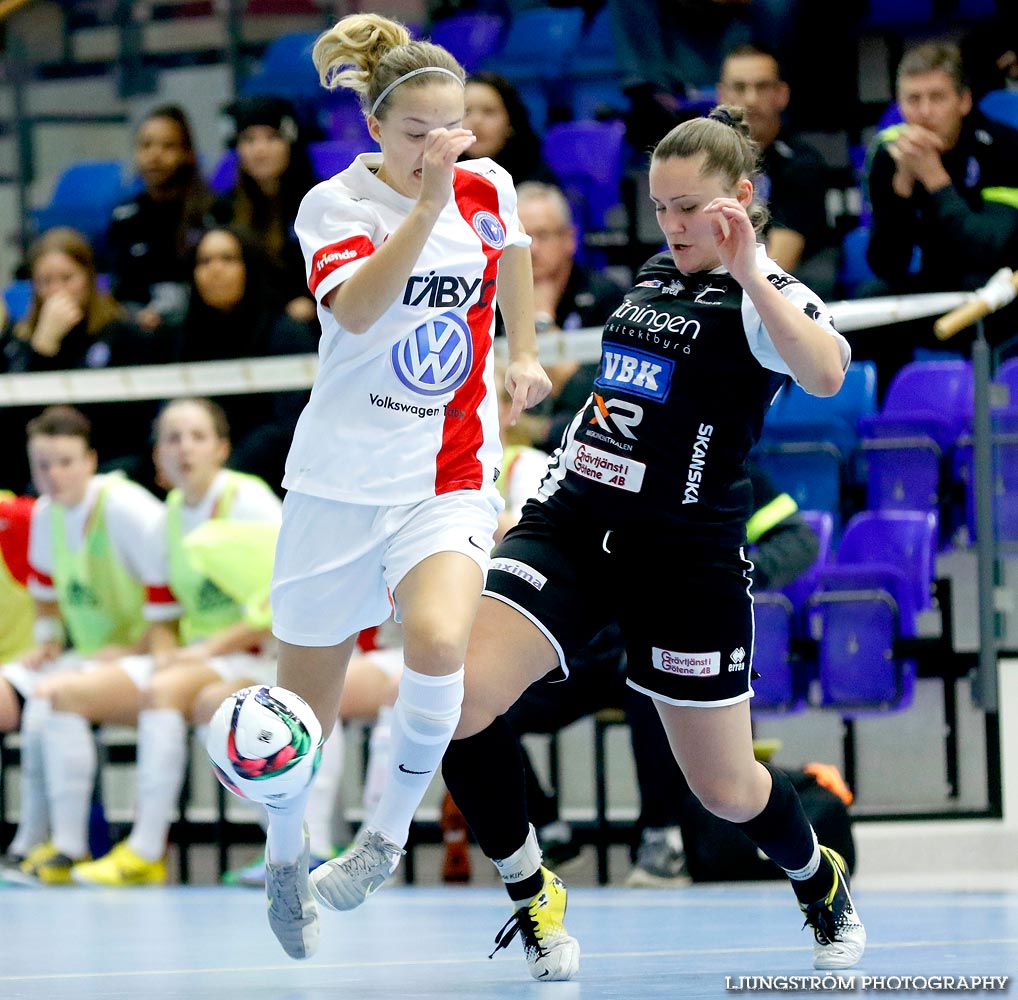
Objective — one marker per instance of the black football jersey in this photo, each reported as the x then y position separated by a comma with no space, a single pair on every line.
687,373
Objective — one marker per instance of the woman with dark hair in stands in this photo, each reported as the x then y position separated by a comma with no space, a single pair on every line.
71,323
496,114
235,312
153,234
274,173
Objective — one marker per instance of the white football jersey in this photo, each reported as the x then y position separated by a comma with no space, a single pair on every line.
406,410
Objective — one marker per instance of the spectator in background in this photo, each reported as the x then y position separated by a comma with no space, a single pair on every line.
792,177
234,313
497,116
100,595
153,234
671,51
215,521
567,296
274,173
943,186
71,324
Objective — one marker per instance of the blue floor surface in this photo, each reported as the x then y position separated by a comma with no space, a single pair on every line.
406,943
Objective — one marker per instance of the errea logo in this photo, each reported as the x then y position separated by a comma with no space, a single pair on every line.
737,660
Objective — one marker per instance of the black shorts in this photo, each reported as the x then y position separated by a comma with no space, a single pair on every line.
684,610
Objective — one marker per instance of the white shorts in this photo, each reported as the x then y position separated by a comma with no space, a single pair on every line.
258,668
337,563
389,661
24,680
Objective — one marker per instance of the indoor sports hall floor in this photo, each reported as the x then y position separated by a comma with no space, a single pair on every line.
432,942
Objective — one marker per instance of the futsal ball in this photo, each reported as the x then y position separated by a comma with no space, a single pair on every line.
265,743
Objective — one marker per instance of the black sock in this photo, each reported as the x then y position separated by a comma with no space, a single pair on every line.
484,775
526,889
783,832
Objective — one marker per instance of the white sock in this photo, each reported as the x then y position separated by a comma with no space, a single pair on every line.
70,766
33,812
162,761
811,867
379,747
424,718
523,863
284,837
325,794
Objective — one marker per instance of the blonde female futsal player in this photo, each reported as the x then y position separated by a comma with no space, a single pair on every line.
391,474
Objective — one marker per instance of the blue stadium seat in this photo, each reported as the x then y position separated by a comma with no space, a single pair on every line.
224,176
801,589
596,54
1005,461
782,685
809,472
882,578
1001,106
287,69
926,398
891,116
84,197
1007,375
599,99
333,155
594,73
798,416
975,10
908,447
17,296
898,14
539,43
588,158
472,37
853,269
341,117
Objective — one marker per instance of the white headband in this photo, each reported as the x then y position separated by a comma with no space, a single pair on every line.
406,76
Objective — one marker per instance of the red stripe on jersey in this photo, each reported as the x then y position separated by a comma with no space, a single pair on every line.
15,518
458,467
335,255
159,595
41,578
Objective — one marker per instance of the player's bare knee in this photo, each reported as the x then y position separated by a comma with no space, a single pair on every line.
10,710
726,799
440,652
63,699
163,696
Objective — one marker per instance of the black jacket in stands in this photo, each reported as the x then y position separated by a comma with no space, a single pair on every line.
964,232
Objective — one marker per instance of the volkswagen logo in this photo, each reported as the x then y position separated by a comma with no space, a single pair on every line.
436,357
